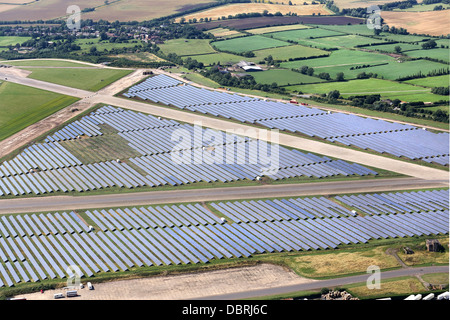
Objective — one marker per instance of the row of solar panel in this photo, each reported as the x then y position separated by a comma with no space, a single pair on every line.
85,126
37,225
153,217
281,209
161,140
80,178
42,156
114,250
398,202
345,128
258,110
155,82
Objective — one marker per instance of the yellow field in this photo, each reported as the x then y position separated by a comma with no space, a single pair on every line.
322,265
221,32
277,28
431,22
233,9
390,287
122,10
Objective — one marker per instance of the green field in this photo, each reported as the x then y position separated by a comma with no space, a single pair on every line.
348,41
391,47
341,58
294,35
22,106
431,82
213,58
12,41
187,47
45,63
387,89
246,44
350,29
285,53
390,71
404,37
87,44
437,53
283,77
86,79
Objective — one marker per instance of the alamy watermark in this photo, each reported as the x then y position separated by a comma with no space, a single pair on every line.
230,148
374,19
374,280
73,280
73,22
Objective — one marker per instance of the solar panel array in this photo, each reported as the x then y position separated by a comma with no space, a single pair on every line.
379,135
35,247
50,167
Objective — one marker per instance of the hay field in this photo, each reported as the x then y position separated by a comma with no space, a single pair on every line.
277,29
233,9
122,10
431,22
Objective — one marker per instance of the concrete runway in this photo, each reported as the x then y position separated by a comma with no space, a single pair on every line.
59,203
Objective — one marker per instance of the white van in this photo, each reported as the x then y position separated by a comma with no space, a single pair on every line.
90,286
58,296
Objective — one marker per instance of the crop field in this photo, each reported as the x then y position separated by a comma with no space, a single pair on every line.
423,7
436,53
22,106
86,79
434,22
283,77
236,8
359,3
277,28
288,52
225,33
438,81
187,47
259,22
387,89
294,35
44,9
341,57
122,10
250,43
12,41
213,58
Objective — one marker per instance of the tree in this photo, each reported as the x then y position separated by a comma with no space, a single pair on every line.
310,71
103,36
333,95
430,44
398,49
304,69
324,75
340,76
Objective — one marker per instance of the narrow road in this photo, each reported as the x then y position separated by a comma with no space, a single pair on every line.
317,285
59,203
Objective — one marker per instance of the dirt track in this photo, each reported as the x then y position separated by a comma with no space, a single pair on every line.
186,286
